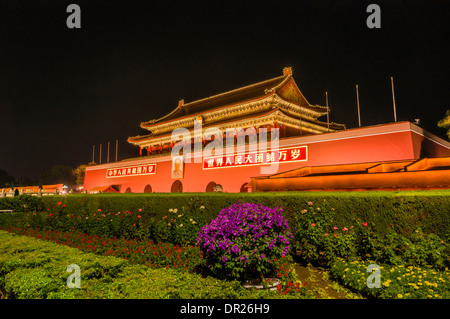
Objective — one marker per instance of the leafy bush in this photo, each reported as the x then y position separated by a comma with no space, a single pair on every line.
243,241
184,226
318,240
177,227
419,249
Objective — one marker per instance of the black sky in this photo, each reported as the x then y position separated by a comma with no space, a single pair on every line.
63,90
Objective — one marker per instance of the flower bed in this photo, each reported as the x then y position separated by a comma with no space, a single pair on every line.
118,234
32,268
161,255
127,235
396,281
247,240
143,252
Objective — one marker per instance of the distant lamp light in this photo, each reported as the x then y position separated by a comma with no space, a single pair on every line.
416,121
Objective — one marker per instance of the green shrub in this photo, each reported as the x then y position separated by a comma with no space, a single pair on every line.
179,226
183,226
320,241
22,203
19,282
419,249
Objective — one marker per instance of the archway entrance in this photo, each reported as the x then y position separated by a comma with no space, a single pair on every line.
210,187
177,187
147,189
128,190
244,188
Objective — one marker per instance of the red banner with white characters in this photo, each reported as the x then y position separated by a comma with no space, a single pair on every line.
131,170
284,155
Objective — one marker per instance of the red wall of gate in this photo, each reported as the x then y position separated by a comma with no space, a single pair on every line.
395,141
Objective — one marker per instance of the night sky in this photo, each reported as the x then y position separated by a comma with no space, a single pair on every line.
63,90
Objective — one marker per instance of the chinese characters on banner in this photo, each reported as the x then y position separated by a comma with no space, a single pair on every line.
131,171
257,158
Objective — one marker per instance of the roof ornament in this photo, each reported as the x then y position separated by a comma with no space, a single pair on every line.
180,103
287,71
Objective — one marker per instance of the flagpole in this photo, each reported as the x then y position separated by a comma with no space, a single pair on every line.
93,153
357,100
393,99
117,144
107,156
328,111
100,160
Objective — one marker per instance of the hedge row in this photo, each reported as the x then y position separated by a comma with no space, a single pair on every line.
34,269
403,210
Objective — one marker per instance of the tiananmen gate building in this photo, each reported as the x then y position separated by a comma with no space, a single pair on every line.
308,153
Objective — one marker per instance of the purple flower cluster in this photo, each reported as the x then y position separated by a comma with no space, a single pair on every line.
244,234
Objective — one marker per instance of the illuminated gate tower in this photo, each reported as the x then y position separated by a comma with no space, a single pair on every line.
276,103
303,140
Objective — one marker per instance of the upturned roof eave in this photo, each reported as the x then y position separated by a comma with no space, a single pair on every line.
282,80
149,137
256,99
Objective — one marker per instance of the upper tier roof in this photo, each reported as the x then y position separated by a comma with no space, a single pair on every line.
284,83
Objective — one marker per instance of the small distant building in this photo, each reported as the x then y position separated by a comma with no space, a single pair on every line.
34,190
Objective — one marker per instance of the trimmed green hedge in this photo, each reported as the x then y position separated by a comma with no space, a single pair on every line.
22,203
405,210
